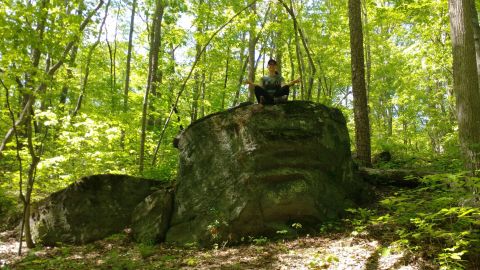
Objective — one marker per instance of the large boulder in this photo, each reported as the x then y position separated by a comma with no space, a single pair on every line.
90,209
256,170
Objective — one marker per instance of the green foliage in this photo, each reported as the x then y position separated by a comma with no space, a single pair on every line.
146,250
115,260
440,218
412,110
259,241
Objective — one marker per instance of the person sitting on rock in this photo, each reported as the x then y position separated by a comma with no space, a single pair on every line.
272,89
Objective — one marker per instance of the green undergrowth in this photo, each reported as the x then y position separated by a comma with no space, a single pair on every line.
439,220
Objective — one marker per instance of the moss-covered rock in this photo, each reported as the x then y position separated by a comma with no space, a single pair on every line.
90,209
255,170
151,218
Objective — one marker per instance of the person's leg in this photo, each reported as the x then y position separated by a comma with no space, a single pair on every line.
281,95
282,91
262,96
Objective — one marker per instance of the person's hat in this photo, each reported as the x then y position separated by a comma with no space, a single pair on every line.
272,62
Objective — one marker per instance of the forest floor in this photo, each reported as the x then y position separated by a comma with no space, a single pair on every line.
340,246
328,251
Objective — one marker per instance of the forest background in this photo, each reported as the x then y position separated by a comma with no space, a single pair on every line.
88,89
92,87
104,86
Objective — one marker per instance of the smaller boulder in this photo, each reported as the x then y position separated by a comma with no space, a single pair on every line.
151,218
90,209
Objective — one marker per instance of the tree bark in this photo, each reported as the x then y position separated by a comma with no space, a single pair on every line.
476,34
251,56
465,82
292,67
243,62
360,107
127,69
196,88
152,74
367,52
225,81
301,63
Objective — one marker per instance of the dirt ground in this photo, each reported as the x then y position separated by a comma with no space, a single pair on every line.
328,251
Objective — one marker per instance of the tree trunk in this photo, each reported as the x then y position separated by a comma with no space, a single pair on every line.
65,88
465,80
301,63
360,107
251,57
127,69
89,59
197,87
243,62
367,52
476,35
152,73
71,63
225,81
203,89
292,67
35,159
114,62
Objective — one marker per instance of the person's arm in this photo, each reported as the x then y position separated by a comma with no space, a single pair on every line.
250,83
293,82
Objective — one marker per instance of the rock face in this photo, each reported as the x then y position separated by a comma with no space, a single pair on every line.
256,170
91,209
151,218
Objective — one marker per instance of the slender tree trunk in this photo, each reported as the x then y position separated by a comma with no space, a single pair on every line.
129,57
243,68
127,69
197,87
203,89
476,35
65,88
301,63
114,62
251,56
152,73
292,67
89,59
20,166
465,79
306,93
360,106
243,62
35,159
71,63
368,57
225,81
